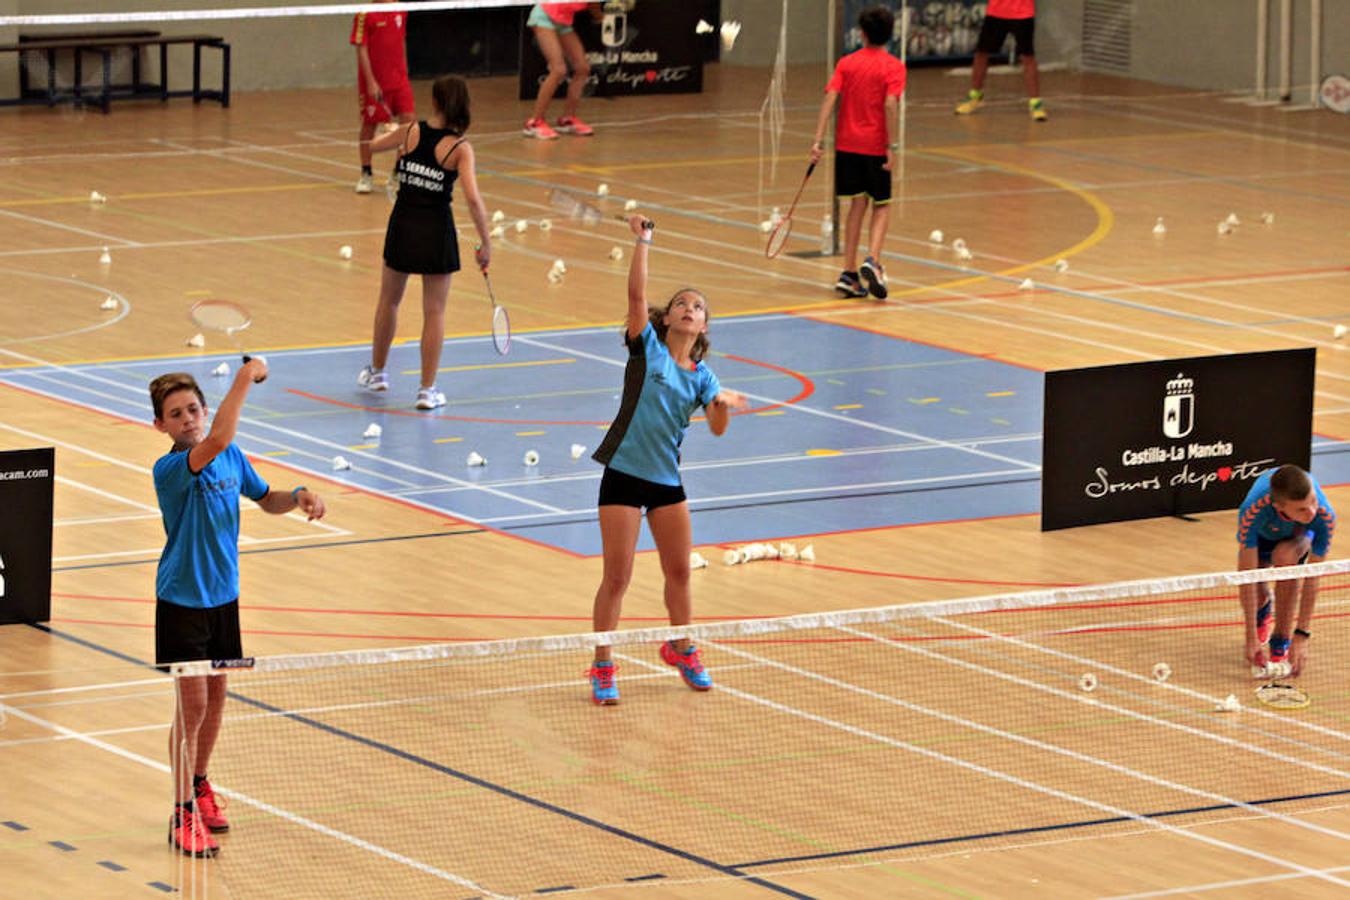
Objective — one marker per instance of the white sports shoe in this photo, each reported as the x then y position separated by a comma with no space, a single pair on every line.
429,398
373,379
365,184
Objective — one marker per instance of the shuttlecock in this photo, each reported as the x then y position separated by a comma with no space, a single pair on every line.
475,459
1229,704
560,266
554,276
1225,228
616,253
1027,285
1087,682
958,244
221,370
1233,219
1161,671
629,205
808,553
1159,228
752,552
531,458
787,551
577,450
729,32
697,561
1061,265
196,341
372,431
340,464
1338,332
106,257
345,251
108,303
498,216
731,558
497,232
936,235
964,254
704,27
602,190
545,224
521,225
771,552
96,197
1267,218
766,226
775,216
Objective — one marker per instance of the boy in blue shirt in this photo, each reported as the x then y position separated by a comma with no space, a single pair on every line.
199,483
1286,520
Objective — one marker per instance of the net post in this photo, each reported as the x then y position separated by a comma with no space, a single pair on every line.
1262,46
827,183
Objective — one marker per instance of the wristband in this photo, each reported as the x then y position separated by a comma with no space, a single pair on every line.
1303,633
295,492
642,240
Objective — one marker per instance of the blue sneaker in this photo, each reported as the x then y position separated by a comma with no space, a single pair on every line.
604,692
874,277
690,664
1265,621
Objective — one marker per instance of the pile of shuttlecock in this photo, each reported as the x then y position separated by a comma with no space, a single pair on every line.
340,464
96,197
372,431
577,450
108,303
1087,682
557,271
697,560
758,551
1161,671
616,253
221,370
521,225
936,235
1339,332
475,459
497,232
345,251
196,341
962,251
1272,669
498,217
730,31
630,205
531,458
1228,704
105,258
1061,265
1159,229
602,190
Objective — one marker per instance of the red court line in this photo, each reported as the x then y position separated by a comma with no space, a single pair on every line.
907,577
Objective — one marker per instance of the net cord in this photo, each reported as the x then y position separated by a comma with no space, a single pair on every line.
161,16
756,627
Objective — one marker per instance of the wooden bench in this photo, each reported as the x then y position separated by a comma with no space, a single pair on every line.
104,47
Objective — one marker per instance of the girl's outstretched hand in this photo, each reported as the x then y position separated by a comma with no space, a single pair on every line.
732,399
639,224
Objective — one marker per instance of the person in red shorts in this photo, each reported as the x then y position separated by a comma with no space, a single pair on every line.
1002,18
382,78
866,85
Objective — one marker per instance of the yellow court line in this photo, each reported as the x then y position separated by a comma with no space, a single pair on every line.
447,440
925,400
169,195
276,453
849,406
824,452
529,433
772,412
638,167
1000,393
510,365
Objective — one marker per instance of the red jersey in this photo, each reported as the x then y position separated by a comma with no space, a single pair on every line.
383,34
563,13
863,80
1011,9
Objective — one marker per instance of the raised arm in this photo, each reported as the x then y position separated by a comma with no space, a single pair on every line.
226,421
637,276
395,137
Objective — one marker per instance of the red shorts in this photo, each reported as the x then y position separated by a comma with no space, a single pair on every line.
398,97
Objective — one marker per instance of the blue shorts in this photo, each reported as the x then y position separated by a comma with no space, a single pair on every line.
539,19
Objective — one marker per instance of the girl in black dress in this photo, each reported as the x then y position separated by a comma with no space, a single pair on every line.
420,239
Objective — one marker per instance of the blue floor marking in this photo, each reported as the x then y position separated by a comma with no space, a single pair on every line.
111,866
14,826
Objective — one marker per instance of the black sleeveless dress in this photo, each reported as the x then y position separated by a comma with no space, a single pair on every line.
421,238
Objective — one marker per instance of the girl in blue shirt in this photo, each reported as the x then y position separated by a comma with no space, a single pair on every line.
664,383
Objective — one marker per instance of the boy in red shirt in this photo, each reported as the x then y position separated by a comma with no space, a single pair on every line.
1004,17
382,78
867,85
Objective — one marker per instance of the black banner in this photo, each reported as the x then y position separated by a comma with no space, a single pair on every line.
26,480
1171,437
643,48
939,30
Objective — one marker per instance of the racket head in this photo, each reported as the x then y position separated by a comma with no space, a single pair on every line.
1282,695
778,238
221,315
501,330
574,207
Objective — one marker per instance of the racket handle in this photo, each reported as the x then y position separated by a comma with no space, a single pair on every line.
647,224
809,169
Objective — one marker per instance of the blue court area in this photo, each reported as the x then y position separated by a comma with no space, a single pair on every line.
849,429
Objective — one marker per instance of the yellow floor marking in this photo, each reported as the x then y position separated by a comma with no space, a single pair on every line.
276,453
819,452
638,167
834,381
361,446
447,440
1000,393
923,400
529,433
169,195
958,410
848,406
507,365
1000,421
771,412
877,392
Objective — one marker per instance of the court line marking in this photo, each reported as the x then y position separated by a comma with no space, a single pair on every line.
1218,885
61,226
280,813
975,767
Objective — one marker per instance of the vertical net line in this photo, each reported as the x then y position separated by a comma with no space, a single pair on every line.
772,108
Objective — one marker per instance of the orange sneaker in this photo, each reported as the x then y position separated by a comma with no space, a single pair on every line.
188,835
209,808
573,125
538,128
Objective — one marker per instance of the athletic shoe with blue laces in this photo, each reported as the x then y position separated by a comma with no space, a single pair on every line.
690,664
604,692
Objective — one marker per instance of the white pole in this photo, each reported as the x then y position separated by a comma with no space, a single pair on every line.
831,202
1315,52
1286,49
1262,46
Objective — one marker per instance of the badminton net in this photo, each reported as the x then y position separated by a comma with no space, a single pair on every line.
830,741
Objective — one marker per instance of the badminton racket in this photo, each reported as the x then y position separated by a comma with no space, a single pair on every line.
501,321
574,207
1282,696
224,316
778,237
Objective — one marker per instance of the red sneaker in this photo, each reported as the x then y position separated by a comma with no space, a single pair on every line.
690,664
209,808
538,128
573,125
187,834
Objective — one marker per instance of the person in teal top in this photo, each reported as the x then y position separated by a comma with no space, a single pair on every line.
664,383
199,484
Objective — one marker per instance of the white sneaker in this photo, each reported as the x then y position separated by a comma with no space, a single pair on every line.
429,398
364,184
373,379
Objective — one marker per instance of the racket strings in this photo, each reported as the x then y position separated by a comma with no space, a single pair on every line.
1282,696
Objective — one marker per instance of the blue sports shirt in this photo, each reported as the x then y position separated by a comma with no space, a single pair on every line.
658,399
200,563
1258,518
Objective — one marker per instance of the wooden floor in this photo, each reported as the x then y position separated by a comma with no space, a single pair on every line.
253,202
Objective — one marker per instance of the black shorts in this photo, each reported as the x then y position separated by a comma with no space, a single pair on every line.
857,173
185,633
621,489
995,31
1266,548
